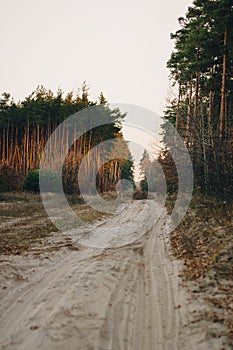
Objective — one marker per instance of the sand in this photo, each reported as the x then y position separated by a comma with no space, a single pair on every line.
125,298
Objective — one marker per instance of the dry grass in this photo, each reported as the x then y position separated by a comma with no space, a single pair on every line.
24,222
204,241
204,237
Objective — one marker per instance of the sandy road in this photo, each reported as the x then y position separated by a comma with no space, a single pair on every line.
127,298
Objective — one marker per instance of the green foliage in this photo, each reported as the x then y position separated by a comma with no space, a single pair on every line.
26,127
127,172
50,180
201,69
31,183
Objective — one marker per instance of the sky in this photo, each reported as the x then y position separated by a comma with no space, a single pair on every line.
119,47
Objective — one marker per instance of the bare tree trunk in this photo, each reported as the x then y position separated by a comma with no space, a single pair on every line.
196,88
210,118
223,97
196,122
27,148
37,146
11,148
205,164
189,110
3,145
7,142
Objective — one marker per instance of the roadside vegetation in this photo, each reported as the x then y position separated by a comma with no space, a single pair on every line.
26,126
204,242
200,107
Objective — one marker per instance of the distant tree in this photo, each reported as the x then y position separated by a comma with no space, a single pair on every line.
127,171
144,185
148,171
102,99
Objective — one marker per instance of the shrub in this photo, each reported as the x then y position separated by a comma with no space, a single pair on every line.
31,183
50,181
140,195
144,185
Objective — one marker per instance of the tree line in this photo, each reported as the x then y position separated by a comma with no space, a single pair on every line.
201,70
26,126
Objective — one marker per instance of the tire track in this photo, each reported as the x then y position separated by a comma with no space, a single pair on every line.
118,299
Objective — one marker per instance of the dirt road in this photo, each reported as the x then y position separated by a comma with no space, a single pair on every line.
127,298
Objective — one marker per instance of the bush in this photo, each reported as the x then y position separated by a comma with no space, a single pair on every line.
140,195
49,177
31,183
144,185
51,181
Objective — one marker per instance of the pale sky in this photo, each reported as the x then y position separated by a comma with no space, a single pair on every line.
119,47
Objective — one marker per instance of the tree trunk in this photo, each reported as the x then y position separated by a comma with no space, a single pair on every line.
196,123
178,110
7,141
210,118
196,88
205,164
223,96
27,148
189,110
